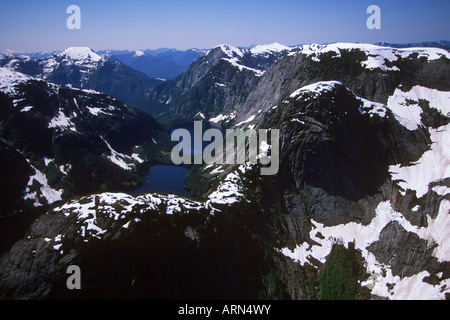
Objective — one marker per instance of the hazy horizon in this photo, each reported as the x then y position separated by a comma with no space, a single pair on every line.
193,48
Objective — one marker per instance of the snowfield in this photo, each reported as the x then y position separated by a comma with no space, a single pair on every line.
61,121
406,108
229,191
376,55
315,89
119,207
434,165
269,48
81,54
83,57
10,79
219,118
48,193
381,277
235,54
122,160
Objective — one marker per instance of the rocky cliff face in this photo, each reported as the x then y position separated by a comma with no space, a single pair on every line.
355,168
362,163
212,85
371,72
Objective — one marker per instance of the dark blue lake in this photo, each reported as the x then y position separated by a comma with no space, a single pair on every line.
170,178
164,178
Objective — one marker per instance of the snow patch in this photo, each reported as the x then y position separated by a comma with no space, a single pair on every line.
381,276
200,114
118,207
235,62
139,53
120,159
229,191
406,109
50,194
222,117
250,119
96,111
441,190
9,80
231,51
62,121
433,166
26,109
377,56
372,108
315,89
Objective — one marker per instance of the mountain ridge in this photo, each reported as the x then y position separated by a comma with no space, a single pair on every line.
81,67
214,82
46,125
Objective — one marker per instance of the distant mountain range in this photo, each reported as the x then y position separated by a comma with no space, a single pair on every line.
82,68
213,83
444,44
131,73
127,72
161,63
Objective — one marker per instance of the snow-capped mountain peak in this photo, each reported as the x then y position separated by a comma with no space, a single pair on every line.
268,48
80,54
138,53
231,51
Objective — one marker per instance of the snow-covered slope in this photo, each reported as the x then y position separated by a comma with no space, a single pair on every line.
83,58
45,125
120,207
269,48
80,55
10,80
412,203
372,72
380,57
257,59
381,281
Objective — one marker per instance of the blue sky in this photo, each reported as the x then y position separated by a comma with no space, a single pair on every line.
27,25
